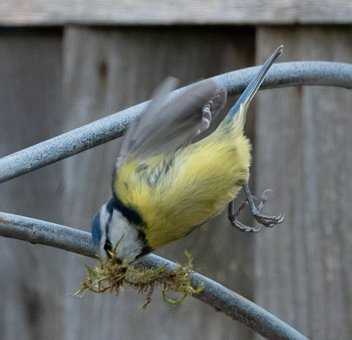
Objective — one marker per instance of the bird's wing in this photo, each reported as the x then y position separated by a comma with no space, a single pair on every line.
170,122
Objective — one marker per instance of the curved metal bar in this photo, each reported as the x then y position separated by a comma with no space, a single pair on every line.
213,294
113,126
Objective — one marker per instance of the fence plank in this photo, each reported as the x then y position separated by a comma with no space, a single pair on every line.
30,111
58,12
303,153
105,71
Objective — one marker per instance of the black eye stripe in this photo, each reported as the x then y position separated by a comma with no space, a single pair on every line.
96,229
110,206
108,245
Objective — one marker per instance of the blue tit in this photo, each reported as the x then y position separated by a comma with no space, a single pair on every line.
181,162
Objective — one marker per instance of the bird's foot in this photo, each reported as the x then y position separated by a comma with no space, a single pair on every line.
265,221
234,215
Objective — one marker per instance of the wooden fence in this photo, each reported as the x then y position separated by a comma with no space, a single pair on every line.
58,72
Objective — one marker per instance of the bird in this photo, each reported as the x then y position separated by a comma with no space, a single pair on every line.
182,162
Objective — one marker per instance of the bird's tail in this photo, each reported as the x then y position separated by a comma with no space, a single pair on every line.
237,113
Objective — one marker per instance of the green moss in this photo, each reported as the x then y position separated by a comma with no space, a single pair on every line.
110,275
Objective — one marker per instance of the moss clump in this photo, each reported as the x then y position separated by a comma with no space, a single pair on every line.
110,275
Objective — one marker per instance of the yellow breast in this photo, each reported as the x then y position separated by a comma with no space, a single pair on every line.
175,193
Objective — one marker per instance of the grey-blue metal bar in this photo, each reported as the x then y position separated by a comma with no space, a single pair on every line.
213,293
113,126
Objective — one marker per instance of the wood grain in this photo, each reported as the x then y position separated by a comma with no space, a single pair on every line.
303,152
105,71
169,12
31,282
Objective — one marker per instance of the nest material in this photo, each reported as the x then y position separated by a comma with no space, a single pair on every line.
110,275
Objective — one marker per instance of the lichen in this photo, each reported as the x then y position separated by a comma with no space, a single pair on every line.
110,275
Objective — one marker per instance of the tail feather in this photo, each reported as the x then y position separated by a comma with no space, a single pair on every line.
239,109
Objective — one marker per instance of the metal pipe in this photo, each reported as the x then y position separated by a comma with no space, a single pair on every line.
113,126
214,294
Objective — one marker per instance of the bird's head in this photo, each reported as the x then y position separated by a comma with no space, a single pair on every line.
118,231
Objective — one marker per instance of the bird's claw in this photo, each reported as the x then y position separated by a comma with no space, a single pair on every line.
244,227
268,221
265,221
234,218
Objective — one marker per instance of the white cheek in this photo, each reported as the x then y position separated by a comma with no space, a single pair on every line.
126,236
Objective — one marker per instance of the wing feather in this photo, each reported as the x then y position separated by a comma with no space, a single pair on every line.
170,122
